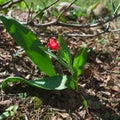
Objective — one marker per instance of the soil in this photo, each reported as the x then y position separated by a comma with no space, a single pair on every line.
99,85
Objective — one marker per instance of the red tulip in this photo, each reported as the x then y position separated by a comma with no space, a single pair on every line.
53,44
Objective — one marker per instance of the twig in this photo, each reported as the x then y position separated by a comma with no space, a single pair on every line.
58,23
76,34
66,9
9,4
116,30
87,35
115,12
41,12
29,11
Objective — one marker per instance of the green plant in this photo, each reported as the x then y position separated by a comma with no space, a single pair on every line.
41,56
9,112
22,95
103,41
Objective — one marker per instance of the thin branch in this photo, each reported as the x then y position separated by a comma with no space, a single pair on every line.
115,12
41,12
90,35
116,30
58,23
9,4
66,9
29,11
76,34
106,30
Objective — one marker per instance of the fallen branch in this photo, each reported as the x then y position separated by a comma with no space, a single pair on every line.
58,23
75,34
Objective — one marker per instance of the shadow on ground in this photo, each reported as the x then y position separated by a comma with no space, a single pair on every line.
66,101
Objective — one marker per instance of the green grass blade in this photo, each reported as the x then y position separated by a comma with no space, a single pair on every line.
30,43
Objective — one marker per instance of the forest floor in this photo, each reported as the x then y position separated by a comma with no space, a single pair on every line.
99,84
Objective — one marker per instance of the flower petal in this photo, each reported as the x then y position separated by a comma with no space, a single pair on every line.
53,44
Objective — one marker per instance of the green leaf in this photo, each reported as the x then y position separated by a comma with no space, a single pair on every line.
10,111
80,60
4,115
27,40
48,83
56,58
85,103
12,108
64,52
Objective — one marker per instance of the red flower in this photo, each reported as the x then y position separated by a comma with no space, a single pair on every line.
53,44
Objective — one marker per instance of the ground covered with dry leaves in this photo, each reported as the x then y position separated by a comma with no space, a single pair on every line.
99,84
